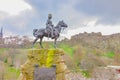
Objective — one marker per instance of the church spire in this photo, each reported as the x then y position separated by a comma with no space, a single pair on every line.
1,33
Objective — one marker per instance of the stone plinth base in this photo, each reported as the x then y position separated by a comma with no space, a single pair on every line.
43,58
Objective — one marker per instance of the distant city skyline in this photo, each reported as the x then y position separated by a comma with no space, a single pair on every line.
20,17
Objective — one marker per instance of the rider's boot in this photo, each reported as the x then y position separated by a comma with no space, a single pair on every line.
52,36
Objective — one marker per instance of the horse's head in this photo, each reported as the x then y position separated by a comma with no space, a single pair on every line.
62,24
34,32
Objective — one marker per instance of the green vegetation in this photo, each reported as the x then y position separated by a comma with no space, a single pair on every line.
85,73
5,60
11,73
14,70
2,50
83,58
109,54
68,49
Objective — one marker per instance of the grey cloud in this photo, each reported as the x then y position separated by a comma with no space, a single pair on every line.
19,24
107,11
76,13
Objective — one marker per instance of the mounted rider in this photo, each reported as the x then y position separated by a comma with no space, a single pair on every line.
49,26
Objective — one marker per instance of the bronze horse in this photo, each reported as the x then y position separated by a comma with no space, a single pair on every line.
40,33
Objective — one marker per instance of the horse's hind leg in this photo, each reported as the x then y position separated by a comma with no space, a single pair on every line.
34,42
41,42
55,45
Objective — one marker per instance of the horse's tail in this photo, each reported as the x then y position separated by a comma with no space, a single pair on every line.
35,32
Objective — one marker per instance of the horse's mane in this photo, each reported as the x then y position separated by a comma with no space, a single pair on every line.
57,24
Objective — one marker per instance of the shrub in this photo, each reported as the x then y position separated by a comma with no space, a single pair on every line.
85,73
68,49
109,54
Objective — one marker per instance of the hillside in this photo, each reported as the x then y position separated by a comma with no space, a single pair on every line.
85,51
92,50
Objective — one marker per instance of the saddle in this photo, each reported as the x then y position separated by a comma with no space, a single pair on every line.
49,31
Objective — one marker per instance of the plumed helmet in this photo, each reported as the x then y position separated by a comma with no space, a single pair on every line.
49,15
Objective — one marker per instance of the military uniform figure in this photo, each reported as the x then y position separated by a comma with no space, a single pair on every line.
49,26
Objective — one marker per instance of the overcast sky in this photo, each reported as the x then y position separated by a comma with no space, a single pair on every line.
20,17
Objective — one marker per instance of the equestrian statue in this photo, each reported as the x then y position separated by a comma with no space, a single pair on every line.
50,31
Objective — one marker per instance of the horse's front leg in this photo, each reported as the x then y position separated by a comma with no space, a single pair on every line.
34,42
41,42
55,44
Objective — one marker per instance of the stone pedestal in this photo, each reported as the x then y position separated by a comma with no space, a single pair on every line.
44,58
